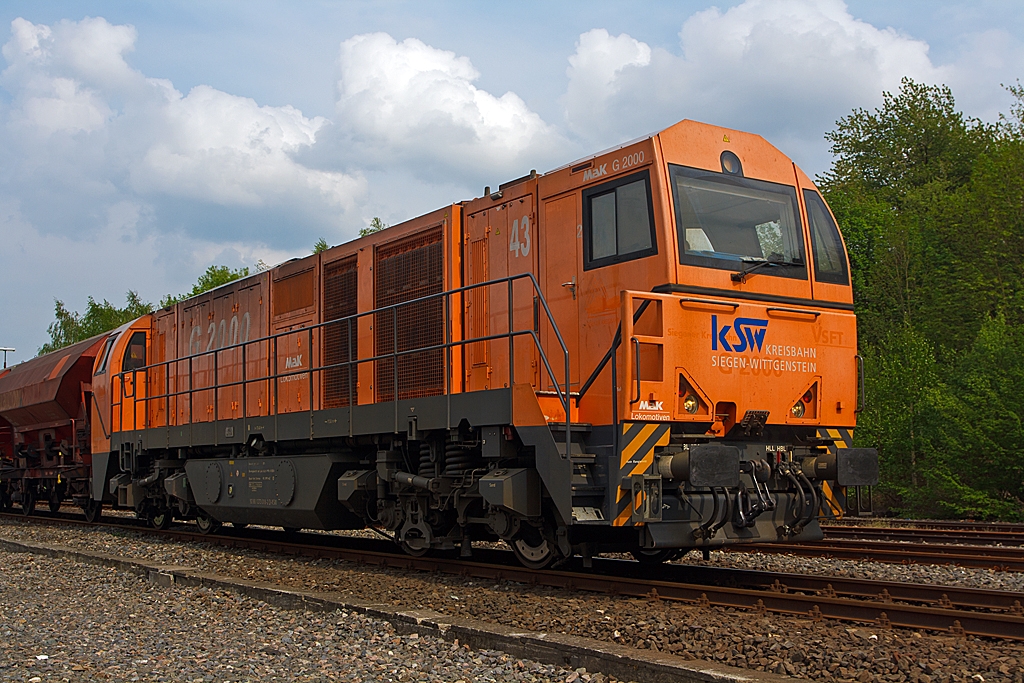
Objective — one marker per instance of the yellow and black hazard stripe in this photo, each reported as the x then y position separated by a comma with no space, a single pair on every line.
834,503
636,455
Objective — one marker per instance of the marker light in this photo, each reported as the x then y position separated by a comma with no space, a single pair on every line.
691,404
731,163
797,410
808,397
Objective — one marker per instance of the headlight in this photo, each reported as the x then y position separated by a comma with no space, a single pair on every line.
798,409
691,404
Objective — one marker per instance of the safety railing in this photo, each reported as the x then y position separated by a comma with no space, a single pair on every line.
273,375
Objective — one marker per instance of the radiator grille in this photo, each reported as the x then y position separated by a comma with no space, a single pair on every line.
403,271
340,301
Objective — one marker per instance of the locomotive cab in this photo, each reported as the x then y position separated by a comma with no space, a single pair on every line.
736,380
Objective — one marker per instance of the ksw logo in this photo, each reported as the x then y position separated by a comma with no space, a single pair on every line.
748,333
592,173
651,405
293,362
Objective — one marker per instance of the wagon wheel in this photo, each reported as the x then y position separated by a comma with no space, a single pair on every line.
55,500
5,501
650,557
92,511
161,520
206,523
28,503
239,525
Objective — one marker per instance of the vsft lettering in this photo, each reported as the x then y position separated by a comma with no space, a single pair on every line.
748,334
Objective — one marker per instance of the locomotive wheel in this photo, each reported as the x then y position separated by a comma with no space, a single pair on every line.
239,525
531,549
654,556
291,530
92,511
206,523
54,501
412,550
161,520
28,503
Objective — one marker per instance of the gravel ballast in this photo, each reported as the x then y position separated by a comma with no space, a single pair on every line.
797,647
71,621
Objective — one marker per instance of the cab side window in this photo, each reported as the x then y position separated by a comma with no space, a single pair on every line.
829,255
618,221
135,354
106,354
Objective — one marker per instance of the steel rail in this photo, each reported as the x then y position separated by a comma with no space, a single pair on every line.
949,619
977,556
959,525
1009,538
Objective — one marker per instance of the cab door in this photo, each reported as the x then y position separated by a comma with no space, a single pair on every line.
559,279
130,384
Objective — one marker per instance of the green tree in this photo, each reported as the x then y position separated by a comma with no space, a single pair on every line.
70,327
376,225
901,188
320,245
215,276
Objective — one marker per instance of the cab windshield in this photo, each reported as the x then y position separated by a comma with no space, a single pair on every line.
729,222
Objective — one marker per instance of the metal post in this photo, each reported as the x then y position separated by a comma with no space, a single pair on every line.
245,402
511,340
394,360
310,351
351,399
5,350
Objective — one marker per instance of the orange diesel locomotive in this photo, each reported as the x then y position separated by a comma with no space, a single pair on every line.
650,350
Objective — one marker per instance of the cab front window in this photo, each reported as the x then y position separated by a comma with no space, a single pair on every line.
729,222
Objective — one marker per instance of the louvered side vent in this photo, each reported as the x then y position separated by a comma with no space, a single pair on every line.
403,271
341,340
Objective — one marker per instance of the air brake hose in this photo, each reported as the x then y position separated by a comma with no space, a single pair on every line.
726,513
703,530
815,503
801,498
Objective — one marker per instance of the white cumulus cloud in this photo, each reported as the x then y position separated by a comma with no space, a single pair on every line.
777,67
410,101
75,97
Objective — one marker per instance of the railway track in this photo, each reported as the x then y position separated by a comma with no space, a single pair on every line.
979,556
937,524
927,535
977,612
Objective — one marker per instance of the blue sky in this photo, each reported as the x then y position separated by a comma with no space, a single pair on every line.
143,141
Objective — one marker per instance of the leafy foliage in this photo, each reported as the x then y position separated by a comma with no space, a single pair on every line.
215,276
70,327
932,209
320,245
376,225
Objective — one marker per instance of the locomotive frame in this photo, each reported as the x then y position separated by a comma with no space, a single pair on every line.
569,364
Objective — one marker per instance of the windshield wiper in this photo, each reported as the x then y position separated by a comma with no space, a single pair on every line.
759,263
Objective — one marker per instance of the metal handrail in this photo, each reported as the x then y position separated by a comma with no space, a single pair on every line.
275,376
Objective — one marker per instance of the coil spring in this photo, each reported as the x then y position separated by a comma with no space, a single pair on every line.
426,465
457,460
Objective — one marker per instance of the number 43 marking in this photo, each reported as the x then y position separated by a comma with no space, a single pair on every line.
520,247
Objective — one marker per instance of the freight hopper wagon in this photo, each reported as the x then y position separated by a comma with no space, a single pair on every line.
649,350
45,449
